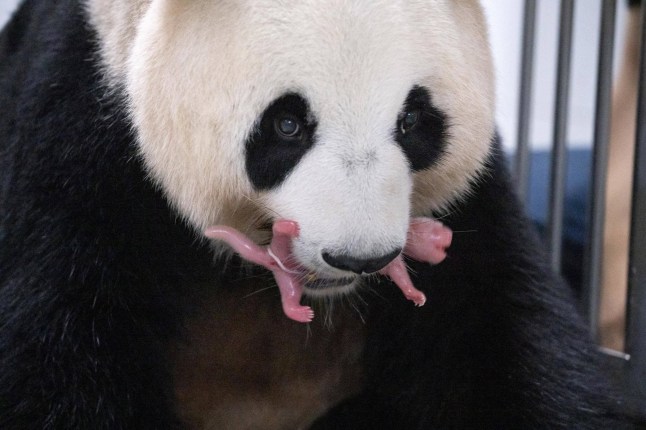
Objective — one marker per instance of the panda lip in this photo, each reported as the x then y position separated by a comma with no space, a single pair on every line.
322,283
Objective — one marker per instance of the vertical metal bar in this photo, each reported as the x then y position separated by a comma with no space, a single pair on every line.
636,326
592,284
559,149
524,104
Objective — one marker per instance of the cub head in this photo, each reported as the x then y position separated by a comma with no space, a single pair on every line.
348,117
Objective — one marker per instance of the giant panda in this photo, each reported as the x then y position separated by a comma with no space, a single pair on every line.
129,127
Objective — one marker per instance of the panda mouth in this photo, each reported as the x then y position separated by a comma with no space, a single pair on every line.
427,241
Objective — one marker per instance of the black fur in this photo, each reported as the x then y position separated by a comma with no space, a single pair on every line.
425,142
498,345
92,264
270,157
89,291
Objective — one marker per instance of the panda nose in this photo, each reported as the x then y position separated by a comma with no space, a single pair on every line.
360,265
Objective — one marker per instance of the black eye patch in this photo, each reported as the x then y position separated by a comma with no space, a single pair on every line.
421,129
281,138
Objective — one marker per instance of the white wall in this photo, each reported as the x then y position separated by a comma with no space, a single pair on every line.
6,7
505,20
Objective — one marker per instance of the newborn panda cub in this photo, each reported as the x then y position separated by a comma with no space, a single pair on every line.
426,241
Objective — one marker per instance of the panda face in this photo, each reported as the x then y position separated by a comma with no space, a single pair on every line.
330,176
348,117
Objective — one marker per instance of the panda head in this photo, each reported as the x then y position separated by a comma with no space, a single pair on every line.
348,117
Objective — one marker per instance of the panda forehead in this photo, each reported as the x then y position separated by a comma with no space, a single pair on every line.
345,41
357,65
348,50
342,56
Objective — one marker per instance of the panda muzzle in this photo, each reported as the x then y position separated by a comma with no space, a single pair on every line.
427,241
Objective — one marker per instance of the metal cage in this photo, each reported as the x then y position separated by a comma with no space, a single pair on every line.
629,367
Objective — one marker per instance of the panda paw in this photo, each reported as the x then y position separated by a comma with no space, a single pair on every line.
302,314
416,297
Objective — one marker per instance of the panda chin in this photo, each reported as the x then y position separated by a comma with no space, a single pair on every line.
331,287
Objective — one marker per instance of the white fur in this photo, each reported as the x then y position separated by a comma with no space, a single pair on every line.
199,73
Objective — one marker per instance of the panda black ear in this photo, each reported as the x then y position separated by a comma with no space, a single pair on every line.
421,130
284,134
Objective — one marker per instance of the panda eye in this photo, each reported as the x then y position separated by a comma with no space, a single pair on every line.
409,120
288,127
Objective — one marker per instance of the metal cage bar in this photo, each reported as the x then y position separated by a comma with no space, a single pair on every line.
592,268
635,371
559,149
525,97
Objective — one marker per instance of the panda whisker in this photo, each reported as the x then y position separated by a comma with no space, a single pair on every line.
329,309
361,299
255,219
372,276
353,305
302,278
256,222
376,293
290,259
261,221
409,268
359,313
262,276
444,215
263,205
260,290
